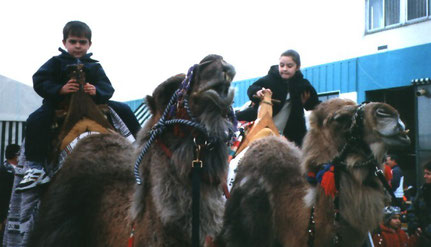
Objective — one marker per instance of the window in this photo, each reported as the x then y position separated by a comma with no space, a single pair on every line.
416,9
383,14
328,95
392,12
375,14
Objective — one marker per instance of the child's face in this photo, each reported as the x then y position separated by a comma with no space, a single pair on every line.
427,176
287,67
77,46
395,222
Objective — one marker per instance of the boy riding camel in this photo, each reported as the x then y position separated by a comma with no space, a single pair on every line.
53,84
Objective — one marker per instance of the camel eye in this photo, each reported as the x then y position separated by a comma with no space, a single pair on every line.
384,113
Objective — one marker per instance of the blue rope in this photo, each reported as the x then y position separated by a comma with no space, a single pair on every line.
162,124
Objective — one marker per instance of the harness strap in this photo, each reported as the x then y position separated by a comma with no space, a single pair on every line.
311,228
196,193
381,176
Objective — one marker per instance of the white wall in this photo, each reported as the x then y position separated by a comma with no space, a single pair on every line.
397,38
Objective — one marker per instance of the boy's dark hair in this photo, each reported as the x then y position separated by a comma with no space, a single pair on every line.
394,157
12,150
294,55
427,166
76,28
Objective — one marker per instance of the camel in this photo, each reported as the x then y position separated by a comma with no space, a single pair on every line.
277,199
263,125
94,199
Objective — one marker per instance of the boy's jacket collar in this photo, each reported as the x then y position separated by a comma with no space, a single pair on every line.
85,57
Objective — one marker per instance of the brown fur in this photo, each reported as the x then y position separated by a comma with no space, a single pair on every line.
271,201
94,200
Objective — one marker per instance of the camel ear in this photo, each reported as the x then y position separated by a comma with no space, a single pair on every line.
151,104
342,119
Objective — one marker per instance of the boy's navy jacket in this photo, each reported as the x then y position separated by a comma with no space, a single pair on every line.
51,77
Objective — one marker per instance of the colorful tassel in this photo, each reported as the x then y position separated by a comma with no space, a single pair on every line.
326,178
131,241
328,182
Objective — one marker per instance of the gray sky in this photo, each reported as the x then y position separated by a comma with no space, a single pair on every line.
142,43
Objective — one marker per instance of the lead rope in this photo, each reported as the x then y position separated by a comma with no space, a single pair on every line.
197,166
162,124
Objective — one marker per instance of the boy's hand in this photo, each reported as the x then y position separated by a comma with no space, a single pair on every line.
90,89
70,87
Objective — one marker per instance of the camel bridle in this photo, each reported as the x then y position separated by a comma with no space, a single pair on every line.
354,142
201,141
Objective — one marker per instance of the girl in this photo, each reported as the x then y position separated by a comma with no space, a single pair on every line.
287,84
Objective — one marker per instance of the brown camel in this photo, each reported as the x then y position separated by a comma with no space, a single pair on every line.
273,204
94,200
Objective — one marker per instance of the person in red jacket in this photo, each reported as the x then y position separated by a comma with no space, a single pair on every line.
390,234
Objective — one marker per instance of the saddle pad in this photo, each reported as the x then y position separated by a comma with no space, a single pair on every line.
68,149
233,165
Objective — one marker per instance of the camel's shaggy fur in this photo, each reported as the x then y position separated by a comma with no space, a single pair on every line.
271,201
80,206
97,203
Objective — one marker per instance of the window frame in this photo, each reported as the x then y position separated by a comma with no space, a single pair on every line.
403,16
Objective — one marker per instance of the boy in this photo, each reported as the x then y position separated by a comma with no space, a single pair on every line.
390,233
52,83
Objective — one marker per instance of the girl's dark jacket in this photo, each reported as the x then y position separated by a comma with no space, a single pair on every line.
51,77
295,128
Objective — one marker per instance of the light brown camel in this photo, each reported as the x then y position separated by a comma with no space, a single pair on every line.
94,201
271,201
263,125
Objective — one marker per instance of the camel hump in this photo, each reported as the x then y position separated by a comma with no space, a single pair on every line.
271,158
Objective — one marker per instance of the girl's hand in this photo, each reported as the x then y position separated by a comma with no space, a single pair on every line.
305,96
261,92
70,87
90,89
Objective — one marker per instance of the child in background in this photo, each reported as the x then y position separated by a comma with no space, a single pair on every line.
390,233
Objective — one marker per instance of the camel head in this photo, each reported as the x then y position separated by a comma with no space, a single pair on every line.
375,125
210,86
201,99
354,139
208,89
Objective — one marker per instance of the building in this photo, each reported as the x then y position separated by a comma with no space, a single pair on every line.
17,102
393,66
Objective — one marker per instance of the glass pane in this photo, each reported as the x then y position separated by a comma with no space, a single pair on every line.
392,12
416,9
375,14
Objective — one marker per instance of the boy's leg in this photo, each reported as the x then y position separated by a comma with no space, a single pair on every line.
37,147
38,135
126,114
